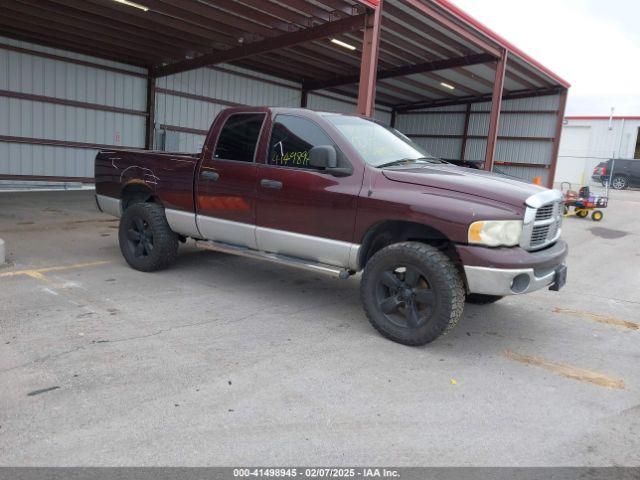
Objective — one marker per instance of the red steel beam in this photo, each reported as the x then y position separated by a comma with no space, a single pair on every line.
69,103
369,63
177,128
46,178
73,46
86,23
453,26
173,29
556,138
406,70
539,92
77,36
465,132
75,61
62,143
494,118
264,46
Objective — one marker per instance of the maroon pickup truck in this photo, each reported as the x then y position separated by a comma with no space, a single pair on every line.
341,194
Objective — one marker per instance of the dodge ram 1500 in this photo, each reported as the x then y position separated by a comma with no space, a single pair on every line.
341,194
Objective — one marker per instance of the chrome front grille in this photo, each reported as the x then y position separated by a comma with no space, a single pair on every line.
545,212
542,220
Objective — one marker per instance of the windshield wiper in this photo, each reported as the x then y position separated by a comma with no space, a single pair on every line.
408,160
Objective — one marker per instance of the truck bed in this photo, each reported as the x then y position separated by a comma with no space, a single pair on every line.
167,176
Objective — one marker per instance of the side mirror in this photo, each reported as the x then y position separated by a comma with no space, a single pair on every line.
323,157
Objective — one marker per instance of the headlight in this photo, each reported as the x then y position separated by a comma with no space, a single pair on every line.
494,233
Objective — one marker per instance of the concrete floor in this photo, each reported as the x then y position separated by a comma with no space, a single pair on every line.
226,361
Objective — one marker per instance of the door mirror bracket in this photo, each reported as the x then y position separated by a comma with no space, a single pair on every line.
325,157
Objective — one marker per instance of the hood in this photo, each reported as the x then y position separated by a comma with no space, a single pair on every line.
480,183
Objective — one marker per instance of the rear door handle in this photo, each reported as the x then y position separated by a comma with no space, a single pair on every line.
266,183
209,175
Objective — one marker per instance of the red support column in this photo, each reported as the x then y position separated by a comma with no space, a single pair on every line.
465,132
151,110
556,138
494,118
369,63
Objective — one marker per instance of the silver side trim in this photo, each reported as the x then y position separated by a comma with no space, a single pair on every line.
109,205
275,258
227,231
182,222
262,240
354,257
316,249
498,281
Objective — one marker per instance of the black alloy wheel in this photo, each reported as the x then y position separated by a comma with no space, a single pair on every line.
405,297
139,238
412,292
146,240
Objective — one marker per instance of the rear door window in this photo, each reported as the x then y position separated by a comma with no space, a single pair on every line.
239,137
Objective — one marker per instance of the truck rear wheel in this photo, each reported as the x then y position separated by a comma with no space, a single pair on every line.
412,293
146,241
480,299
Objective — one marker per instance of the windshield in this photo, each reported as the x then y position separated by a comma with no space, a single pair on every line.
380,146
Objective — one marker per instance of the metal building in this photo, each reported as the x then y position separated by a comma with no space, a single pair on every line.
589,140
79,75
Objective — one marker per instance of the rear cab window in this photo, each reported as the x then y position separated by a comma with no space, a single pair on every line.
239,137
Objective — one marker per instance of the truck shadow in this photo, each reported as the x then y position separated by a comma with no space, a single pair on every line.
487,329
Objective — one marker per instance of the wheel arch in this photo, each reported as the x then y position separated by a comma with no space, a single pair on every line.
388,232
137,191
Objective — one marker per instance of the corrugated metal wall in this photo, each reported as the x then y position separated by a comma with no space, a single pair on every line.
37,128
206,91
331,102
186,103
525,134
57,108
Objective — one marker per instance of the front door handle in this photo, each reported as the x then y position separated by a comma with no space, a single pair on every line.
209,175
266,183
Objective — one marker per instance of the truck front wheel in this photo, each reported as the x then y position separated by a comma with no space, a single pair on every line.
412,293
146,241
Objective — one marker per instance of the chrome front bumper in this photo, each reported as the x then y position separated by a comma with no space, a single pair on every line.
501,282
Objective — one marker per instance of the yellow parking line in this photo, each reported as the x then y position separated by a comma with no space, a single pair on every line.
567,370
37,276
37,272
607,320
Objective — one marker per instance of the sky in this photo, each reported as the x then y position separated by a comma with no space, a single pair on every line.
593,44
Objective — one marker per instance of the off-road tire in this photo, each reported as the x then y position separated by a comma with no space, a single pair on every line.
480,299
619,182
440,275
164,242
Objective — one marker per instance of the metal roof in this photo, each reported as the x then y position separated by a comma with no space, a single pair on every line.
424,44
